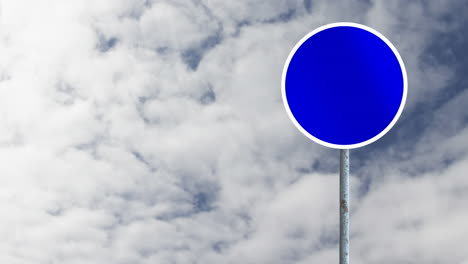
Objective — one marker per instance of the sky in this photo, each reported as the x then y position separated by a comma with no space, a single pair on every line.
152,131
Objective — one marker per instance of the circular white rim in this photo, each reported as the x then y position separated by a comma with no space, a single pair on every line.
403,100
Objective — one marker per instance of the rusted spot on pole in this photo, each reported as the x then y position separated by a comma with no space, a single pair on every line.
344,206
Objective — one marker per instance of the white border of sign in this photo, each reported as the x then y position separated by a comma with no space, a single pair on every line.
369,141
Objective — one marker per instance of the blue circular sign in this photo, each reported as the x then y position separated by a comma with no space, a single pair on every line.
344,85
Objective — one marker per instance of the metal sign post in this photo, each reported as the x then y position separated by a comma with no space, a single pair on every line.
344,206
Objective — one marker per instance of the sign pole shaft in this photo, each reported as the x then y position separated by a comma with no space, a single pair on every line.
344,206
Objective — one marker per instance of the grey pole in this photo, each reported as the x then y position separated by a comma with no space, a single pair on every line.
344,206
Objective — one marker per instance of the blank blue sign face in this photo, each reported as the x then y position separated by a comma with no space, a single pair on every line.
344,85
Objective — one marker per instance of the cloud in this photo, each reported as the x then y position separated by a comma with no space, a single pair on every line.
154,132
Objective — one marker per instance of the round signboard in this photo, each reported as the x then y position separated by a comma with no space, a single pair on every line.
344,85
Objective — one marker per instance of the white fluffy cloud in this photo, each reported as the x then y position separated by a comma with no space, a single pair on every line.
154,132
